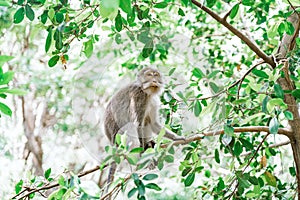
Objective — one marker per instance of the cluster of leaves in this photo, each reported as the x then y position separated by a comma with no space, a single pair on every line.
5,79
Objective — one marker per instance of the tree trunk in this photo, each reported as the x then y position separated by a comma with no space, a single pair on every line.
288,44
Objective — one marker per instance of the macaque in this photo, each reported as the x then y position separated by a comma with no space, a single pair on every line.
134,111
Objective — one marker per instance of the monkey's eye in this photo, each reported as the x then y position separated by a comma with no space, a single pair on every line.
156,74
149,74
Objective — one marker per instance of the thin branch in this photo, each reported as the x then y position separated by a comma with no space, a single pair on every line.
250,44
46,187
293,7
244,76
248,164
116,187
280,144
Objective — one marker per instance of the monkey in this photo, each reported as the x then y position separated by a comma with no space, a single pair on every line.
134,110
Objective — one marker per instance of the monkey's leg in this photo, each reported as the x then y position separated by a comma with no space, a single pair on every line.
111,176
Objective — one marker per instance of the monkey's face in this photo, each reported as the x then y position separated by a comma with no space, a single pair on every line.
151,81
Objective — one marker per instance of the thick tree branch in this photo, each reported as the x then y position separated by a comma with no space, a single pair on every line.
250,44
197,137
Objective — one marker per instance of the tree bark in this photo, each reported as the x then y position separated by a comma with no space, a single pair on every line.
288,44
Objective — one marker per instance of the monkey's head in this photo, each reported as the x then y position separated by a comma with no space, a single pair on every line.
150,80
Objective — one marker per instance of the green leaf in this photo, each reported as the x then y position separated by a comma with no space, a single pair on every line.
20,2
58,39
132,159
5,109
214,87
161,5
47,173
234,10
281,28
210,3
273,126
278,91
149,177
118,22
220,185
44,17
288,115
172,71
186,171
198,73
189,179
19,15
296,93
181,12
276,102
253,180
248,2
264,104
228,130
148,48
18,186
137,150
153,186
4,3
238,148
109,8
207,173
260,73
61,181
4,59
88,48
29,12
48,40
6,77
169,158
13,91
271,180
125,5
141,188
289,28
197,108
59,17
53,61
217,156
292,171
132,192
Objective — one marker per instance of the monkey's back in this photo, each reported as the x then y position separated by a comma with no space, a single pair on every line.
125,109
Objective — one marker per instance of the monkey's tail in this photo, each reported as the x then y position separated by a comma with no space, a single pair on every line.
111,176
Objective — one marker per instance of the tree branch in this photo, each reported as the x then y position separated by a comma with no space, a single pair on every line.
250,44
46,187
200,136
244,76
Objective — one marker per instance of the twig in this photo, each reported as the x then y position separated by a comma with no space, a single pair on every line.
256,151
280,144
250,44
116,187
293,7
244,76
46,187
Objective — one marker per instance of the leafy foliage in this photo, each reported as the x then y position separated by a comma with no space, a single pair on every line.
210,81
